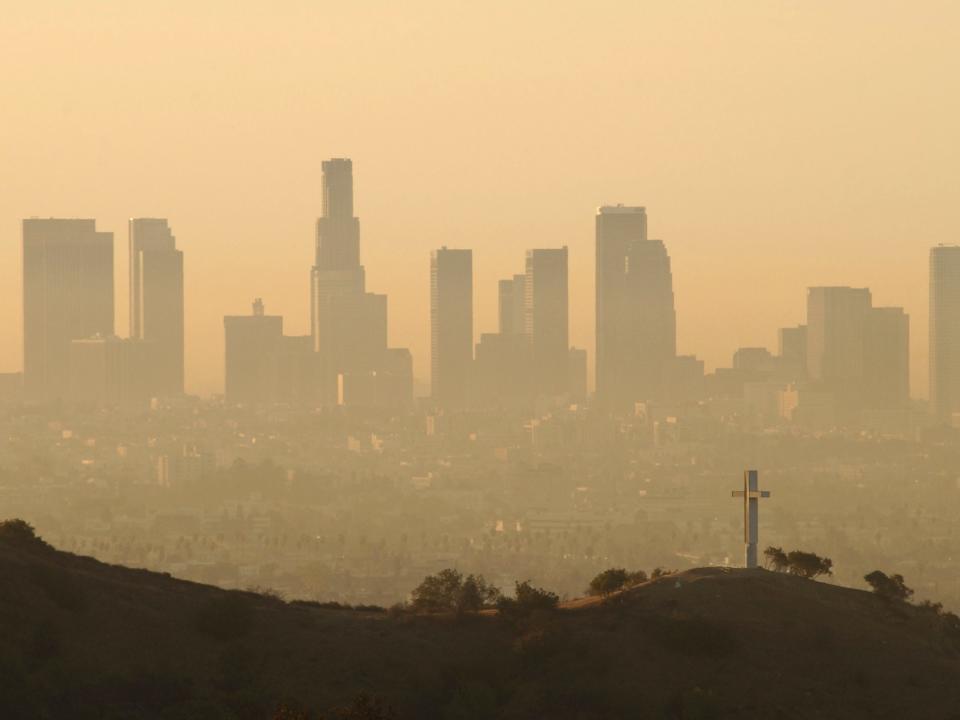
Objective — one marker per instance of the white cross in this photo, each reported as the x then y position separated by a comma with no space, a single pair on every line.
751,495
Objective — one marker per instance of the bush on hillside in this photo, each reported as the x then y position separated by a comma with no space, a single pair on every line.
808,564
449,591
797,562
776,559
527,600
20,533
889,587
613,579
659,572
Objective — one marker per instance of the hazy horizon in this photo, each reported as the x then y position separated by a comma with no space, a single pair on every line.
775,147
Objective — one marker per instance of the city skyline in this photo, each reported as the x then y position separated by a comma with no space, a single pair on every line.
156,235
508,162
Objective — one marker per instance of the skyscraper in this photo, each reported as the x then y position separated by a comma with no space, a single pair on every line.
792,350
156,299
511,305
546,318
836,333
945,330
252,344
636,319
887,358
348,324
67,295
451,326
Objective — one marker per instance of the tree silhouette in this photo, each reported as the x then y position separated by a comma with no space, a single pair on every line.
808,564
776,559
449,591
889,587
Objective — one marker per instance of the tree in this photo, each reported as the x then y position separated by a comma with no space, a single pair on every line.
449,591
808,565
613,579
438,593
608,581
475,594
659,572
776,559
527,600
889,587
20,533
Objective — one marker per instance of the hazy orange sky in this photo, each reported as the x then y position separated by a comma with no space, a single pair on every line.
776,145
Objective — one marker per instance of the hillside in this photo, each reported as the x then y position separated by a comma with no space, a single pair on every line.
80,639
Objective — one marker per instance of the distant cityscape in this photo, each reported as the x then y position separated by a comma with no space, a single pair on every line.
849,364
319,474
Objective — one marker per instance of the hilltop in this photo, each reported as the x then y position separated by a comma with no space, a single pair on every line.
82,639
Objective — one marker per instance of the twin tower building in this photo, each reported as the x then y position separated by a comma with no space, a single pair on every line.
70,350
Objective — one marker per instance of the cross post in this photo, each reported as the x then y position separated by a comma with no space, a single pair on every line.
751,495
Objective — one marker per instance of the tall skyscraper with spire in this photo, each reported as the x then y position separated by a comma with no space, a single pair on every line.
636,319
348,324
67,295
156,299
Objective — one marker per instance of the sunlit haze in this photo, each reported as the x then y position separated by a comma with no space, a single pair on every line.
775,145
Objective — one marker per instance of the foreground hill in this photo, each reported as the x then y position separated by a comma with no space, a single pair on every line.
80,639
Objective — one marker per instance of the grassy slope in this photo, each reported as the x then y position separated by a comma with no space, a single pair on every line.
82,639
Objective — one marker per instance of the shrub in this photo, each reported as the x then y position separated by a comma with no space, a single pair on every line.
449,591
20,533
659,572
613,579
889,587
808,564
776,559
527,600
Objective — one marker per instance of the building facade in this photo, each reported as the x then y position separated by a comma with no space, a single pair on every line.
156,298
451,326
636,317
68,294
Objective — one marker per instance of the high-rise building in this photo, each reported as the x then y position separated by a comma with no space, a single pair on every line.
252,344
836,329
348,324
945,330
636,318
338,231
67,295
792,350
451,326
156,298
546,318
887,358
511,305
